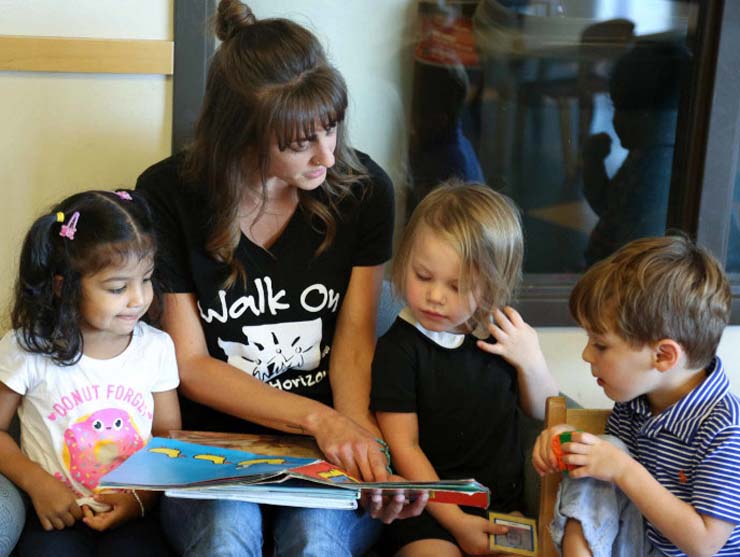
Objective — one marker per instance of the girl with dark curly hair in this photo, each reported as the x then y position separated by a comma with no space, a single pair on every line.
89,379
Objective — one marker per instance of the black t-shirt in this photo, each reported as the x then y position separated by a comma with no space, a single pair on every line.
279,328
466,401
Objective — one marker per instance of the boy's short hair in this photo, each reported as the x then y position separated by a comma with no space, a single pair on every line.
657,288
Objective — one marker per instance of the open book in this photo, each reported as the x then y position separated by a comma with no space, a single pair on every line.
272,476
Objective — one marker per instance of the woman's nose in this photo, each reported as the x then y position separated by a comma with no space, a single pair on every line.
324,155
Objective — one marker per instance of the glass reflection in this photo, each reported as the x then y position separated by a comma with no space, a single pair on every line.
568,106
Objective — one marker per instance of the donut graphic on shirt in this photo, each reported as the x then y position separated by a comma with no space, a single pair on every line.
98,443
267,351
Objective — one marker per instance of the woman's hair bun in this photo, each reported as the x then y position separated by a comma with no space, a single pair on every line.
232,17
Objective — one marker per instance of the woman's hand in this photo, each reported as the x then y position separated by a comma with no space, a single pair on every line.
352,448
123,507
55,504
543,457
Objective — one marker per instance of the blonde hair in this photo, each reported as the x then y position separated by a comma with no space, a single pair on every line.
484,228
657,288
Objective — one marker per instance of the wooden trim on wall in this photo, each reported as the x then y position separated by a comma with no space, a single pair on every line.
82,55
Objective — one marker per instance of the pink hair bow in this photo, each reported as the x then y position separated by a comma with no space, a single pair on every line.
68,230
123,195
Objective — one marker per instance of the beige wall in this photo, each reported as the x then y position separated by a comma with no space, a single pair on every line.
63,132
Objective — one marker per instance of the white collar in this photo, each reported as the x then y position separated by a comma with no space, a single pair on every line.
444,339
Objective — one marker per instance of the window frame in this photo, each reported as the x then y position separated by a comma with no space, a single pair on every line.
707,147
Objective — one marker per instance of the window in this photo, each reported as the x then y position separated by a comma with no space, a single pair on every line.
513,92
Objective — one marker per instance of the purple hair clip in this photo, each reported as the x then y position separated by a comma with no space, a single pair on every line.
123,195
68,230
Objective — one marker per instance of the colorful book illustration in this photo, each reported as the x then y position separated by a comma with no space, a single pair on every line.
208,471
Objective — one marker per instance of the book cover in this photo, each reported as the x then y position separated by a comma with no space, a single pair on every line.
210,471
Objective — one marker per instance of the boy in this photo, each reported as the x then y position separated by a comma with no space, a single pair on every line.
654,312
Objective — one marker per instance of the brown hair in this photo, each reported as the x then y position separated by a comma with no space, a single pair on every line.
656,288
268,78
484,228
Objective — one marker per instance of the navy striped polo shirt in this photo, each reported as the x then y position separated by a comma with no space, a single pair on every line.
692,448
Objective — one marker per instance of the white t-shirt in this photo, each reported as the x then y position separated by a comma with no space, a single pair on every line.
80,422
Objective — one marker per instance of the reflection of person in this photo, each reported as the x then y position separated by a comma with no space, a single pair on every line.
438,149
447,402
274,234
644,89
654,312
89,380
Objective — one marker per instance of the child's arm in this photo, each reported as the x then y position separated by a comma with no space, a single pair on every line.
401,431
126,506
517,343
54,502
166,413
693,533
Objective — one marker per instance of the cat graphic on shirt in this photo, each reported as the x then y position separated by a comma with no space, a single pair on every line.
268,351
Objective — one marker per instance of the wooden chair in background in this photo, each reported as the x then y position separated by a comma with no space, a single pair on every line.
593,421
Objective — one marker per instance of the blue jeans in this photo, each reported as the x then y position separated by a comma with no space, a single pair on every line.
225,528
12,515
611,523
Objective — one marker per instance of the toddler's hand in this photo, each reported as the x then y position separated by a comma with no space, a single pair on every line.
471,533
123,507
544,459
54,503
516,341
595,457
395,506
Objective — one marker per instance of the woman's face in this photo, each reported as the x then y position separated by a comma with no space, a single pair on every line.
303,163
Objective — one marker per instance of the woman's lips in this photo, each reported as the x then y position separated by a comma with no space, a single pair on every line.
315,174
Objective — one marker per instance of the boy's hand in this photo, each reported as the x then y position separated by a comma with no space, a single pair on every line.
55,504
595,457
123,507
471,533
516,341
543,457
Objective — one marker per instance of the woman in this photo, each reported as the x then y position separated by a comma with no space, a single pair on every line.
274,234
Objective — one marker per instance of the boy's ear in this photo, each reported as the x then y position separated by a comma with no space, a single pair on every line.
667,354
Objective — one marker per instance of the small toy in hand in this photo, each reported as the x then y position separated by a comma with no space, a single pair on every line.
521,538
557,448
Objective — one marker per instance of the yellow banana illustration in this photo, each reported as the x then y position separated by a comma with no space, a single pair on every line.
172,453
215,459
247,463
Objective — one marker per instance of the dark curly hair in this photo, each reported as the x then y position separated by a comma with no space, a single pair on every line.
112,229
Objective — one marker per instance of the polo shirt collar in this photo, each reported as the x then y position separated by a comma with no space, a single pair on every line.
684,417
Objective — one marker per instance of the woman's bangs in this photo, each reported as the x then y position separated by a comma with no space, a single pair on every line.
317,100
